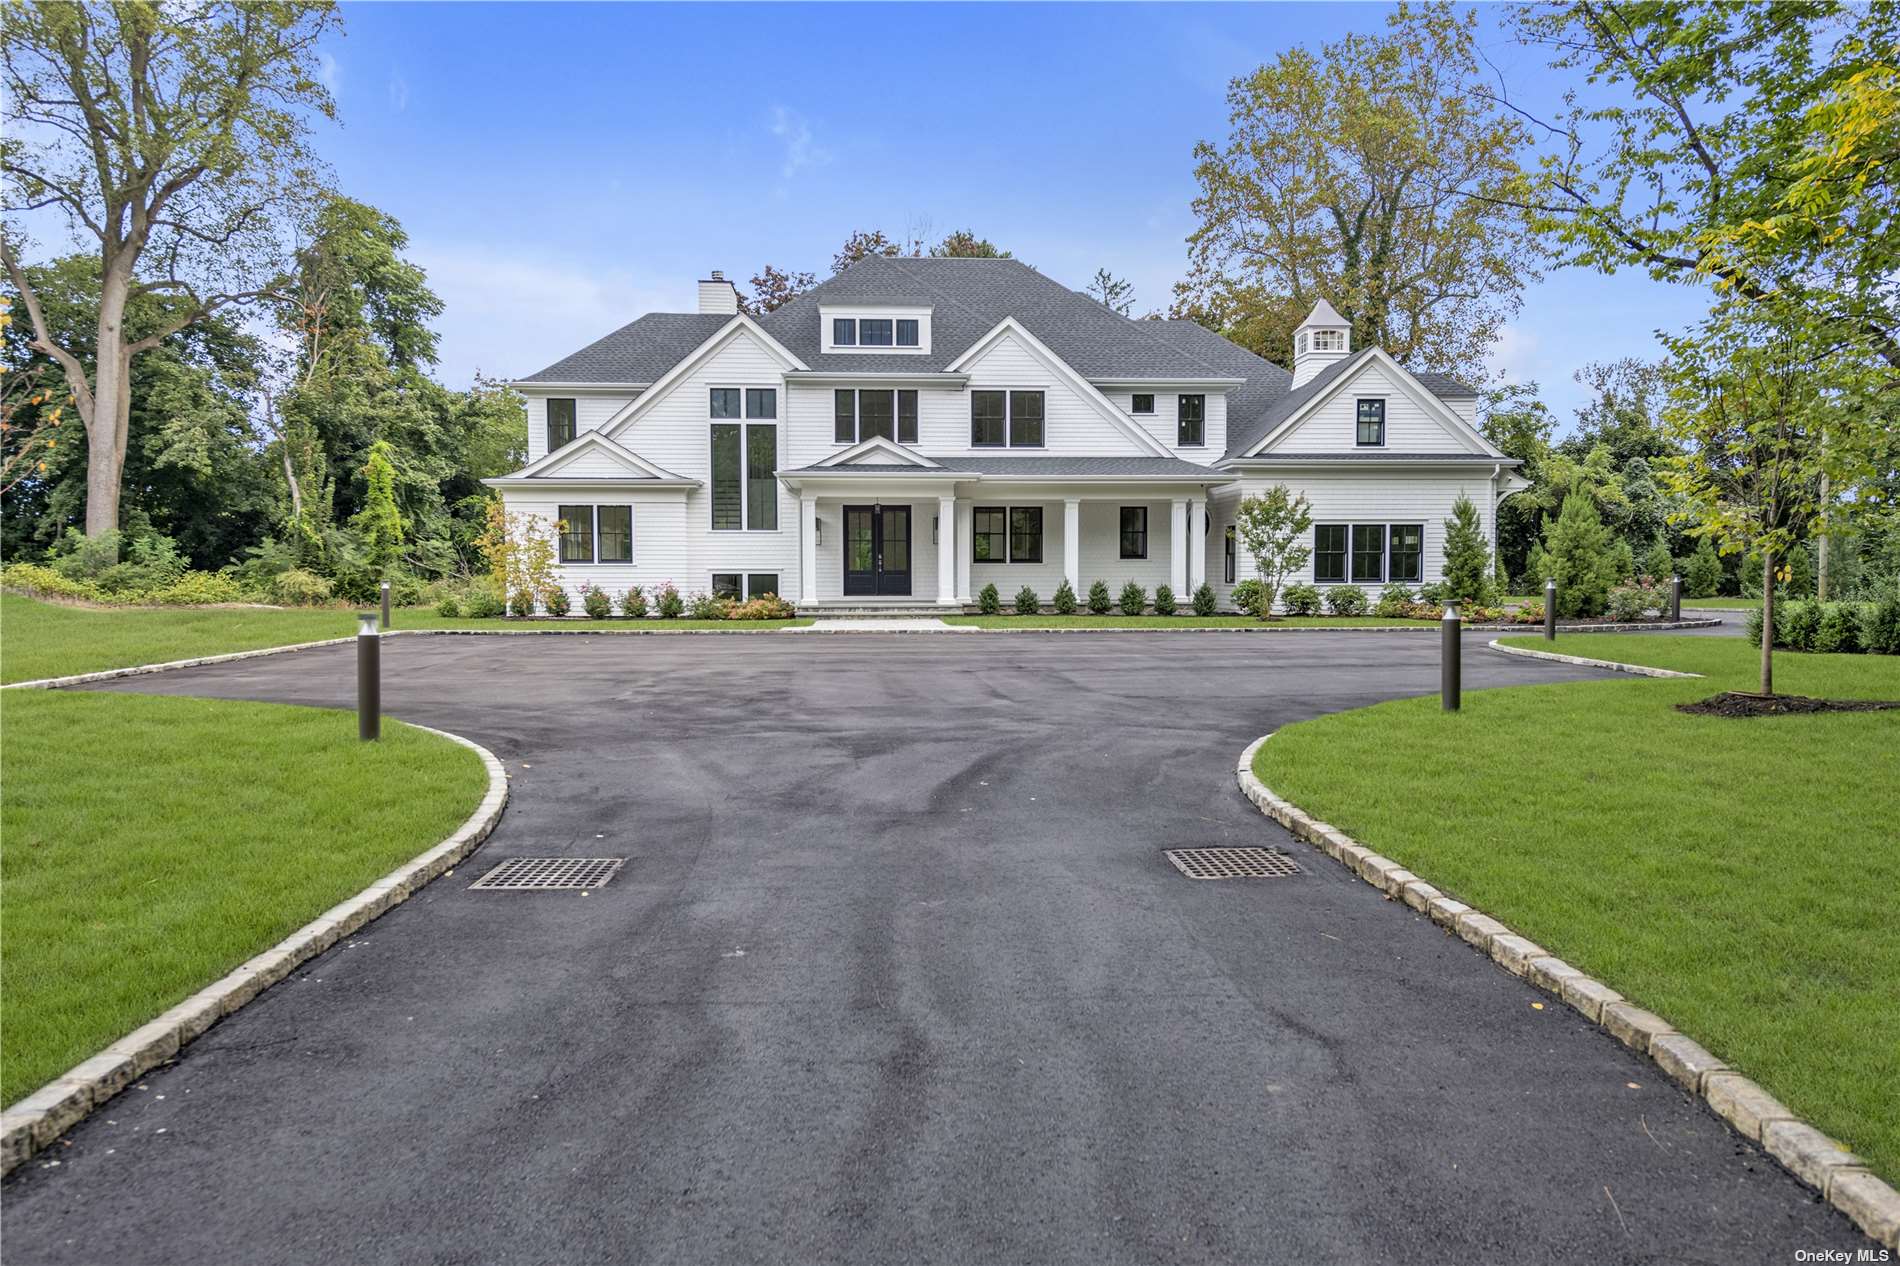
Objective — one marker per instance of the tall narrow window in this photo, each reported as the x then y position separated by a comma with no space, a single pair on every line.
907,332
761,485
1229,573
1368,552
1025,419
844,332
906,417
1408,552
577,533
987,419
1025,534
874,332
1134,531
875,415
728,478
1329,553
844,415
1191,422
988,525
1371,423
725,402
761,402
615,533
560,423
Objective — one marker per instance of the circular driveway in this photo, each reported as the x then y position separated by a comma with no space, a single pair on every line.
895,971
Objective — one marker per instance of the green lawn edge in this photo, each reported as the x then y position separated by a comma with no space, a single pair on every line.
154,843
1726,873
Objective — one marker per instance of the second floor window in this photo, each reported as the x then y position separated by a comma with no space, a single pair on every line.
560,423
1144,403
861,415
1371,423
1006,418
1192,422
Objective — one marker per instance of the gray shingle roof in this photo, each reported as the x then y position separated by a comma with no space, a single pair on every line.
1245,429
637,352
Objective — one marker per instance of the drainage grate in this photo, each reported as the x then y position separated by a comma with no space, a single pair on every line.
1233,863
519,874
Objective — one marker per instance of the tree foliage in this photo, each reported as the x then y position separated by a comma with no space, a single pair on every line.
773,288
1577,555
1112,292
862,244
1372,174
1467,576
964,244
1273,526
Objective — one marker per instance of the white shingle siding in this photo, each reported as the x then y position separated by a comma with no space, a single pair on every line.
1072,425
590,413
1410,427
659,537
1165,422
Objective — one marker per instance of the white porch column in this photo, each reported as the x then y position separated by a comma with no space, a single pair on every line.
966,548
1072,542
1177,546
947,551
808,549
1197,543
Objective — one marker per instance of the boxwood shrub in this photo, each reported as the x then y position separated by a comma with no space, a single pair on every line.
1301,600
988,601
1346,600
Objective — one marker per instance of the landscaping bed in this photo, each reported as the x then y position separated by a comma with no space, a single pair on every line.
1735,878
1735,703
153,844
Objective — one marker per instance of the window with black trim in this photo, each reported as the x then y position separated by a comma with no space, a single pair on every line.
1329,553
725,402
844,332
1134,531
876,417
1191,424
989,419
1371,423
1368,552
861,415
907,331
844,416
874,332
725,584
906,413
761,488
613,533
728,478
1025,419
1025,534
1144,403
1408,552
1229,573
761,402
577,533
560,423
760,583
989,529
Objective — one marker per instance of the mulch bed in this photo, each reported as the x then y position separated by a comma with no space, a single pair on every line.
1732,703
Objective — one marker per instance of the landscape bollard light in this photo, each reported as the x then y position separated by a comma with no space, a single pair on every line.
1451,655
369,679
1550,610
1675,599
385,604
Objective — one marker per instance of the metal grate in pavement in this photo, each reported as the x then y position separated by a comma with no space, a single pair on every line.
531,874
1233,863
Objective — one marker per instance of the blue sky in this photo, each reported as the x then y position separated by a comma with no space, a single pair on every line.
562,168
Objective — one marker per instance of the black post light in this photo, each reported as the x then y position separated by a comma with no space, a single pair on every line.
1451,658
369,679
385,605
1550,610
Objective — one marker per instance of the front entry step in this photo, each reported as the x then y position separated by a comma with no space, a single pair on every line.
877,612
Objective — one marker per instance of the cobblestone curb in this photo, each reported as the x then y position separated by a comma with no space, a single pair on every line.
56,1107
1429,626
1641,670
1841,1177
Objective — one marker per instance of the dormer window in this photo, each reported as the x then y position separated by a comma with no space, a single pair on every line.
844,332
875,329
907,332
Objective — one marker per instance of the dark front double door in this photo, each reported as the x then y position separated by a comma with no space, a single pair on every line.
877,551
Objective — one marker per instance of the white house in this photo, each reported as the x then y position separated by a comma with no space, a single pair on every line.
914,429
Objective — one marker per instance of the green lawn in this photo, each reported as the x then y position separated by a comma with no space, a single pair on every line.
153,844
1181,622
39,639
1736,876
1720,604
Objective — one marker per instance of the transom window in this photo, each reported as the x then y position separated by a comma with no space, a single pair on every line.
560,423
1134,531
596,534
867,413
1371,423
1144,403
1192,422
1001,419
740,586
1010,534
1368,553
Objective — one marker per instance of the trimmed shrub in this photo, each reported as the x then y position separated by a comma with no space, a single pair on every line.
764,607
633,603
1702,574
557,601
1133,599
1027,603
1346,600
1204,600
1301,600
482,604
1837,632
1796,622
1099,601
668,603
300,588
1164,600
1630,603
449,608
706,606
1879,625
1248,594
988,601
521,603
596,603
1753,625
1393,599
1064,601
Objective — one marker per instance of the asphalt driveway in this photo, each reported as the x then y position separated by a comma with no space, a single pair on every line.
896,972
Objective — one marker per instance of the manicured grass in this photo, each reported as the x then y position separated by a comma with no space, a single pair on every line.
1179,622
1738,876
153,844
1718,604
40,639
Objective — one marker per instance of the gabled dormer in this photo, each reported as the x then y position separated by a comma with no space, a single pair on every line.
880,329
1323,338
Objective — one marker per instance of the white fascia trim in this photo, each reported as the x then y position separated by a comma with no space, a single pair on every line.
1152,384
593,388
664,384
852,378
880,446
592,439
571,482
1076,382
1432,405
1212,477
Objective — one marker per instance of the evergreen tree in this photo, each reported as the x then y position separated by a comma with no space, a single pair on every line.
1577,554
380,521
1702,577
1467,556
1657,562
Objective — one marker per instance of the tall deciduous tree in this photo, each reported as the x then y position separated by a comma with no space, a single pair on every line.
1372,174
773,288
173,136
862,243
1112,292
964,244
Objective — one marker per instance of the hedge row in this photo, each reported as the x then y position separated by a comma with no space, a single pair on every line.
1839,628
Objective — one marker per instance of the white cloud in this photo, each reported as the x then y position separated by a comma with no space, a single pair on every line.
1514,356
398,93
794,132
330,73
509,315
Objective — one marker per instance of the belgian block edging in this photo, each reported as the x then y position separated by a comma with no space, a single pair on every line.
1841,1177
1641,670
62,1103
